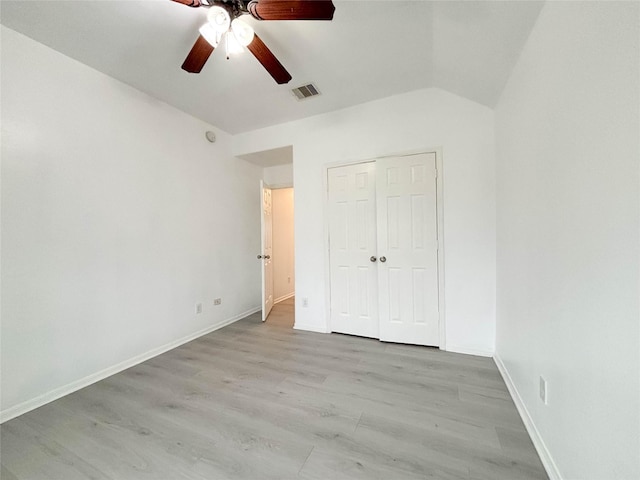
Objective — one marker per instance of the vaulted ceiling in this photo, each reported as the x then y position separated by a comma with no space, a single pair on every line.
372,49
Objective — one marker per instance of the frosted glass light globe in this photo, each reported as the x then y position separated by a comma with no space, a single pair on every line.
219,19
210,34
243,32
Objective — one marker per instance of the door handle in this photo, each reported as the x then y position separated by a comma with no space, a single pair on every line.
383,259
373,259
267,257
259,257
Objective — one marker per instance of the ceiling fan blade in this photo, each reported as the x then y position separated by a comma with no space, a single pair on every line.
291,9
268,60
189,3
198,56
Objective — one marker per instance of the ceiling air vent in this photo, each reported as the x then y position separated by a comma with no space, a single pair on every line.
305,91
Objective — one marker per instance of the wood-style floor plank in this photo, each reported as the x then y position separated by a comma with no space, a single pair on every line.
261,400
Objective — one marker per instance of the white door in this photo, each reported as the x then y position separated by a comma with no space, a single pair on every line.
267,251
352,244
407,249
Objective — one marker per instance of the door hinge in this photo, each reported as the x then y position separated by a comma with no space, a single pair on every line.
436,173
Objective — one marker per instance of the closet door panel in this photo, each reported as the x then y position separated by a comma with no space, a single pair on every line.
352,242
407,242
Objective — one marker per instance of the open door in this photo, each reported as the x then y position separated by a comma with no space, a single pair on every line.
266,225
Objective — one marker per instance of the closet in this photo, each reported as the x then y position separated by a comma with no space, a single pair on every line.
383,249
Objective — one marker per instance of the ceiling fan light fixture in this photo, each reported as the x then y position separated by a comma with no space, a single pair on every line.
242,31
210,34
219,19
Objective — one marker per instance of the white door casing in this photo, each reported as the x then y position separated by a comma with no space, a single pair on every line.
352,243
266,227
408,242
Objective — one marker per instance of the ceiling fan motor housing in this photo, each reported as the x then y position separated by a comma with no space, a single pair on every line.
235,8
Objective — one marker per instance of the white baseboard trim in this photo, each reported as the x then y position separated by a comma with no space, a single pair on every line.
545,456
284,297
468,351
309,328
59,392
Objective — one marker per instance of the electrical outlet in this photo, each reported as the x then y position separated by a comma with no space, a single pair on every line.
288,279
543,391
305,302
217,301
198,308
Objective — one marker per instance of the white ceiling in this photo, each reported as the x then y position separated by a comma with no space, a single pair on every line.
372,49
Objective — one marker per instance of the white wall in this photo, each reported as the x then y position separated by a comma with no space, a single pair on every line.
283,243
279,175
567,236
417,120
117,217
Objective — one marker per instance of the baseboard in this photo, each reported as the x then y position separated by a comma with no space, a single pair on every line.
309,328
468,351
284,297
545,456
59,392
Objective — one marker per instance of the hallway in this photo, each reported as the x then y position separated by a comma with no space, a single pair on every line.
283,314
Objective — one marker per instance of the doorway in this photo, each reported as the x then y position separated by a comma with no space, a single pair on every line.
278,276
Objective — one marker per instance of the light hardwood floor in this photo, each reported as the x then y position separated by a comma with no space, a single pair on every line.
260,400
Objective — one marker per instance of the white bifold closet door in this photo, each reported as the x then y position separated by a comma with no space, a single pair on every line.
383,249
408,241
352,242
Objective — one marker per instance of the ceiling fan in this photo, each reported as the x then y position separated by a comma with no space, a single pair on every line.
224,26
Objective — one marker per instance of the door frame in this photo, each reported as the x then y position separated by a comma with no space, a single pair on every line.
439,228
